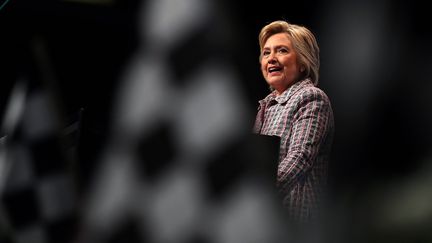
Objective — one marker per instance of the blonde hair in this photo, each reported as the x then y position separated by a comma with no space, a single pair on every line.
304,44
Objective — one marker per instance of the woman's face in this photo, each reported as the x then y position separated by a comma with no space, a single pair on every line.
279,64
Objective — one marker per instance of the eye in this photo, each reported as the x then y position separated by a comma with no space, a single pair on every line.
266,53
283,50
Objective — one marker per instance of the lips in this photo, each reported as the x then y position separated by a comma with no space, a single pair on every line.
274,69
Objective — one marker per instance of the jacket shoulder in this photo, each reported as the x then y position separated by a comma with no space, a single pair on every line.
310,92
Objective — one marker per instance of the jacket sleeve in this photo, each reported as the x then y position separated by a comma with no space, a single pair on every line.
310,125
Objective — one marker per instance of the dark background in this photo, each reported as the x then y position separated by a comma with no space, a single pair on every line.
375,67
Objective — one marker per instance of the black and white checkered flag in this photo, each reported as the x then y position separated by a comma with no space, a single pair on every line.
179,166
37,189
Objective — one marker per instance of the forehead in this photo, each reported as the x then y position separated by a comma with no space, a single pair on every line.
277,40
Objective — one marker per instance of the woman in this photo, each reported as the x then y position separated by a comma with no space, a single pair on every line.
298,112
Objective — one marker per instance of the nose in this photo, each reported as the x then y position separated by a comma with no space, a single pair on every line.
271,58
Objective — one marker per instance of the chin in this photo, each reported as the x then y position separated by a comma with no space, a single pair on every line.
273,83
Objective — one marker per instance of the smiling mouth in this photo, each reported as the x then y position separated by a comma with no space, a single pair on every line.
274,69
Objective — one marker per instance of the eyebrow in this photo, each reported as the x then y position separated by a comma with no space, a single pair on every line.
276,47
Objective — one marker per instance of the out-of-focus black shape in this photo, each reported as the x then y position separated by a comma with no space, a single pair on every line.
48,156
254,156
156,151
225,171
22,207
198,238
129,231
62,230
188,55
5,238
72,130
71,138
93,138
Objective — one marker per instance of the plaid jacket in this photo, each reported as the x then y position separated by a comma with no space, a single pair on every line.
303,118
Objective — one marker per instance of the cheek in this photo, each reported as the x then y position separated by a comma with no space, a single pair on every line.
291,66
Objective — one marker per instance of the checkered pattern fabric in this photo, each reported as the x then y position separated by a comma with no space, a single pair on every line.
302,117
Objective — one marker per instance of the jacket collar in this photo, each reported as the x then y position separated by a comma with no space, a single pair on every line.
284,97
